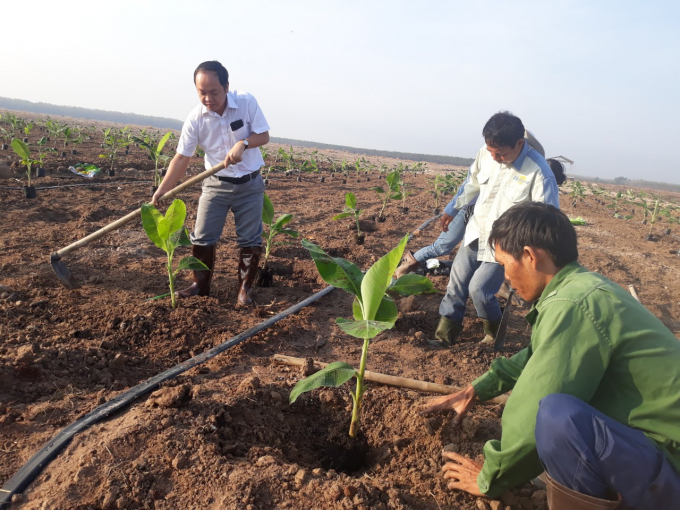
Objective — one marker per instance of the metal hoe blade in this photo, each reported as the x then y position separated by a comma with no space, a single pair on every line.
62,271
503,328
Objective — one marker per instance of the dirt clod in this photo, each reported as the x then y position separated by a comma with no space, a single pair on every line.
25,355
118,363
170,397
335,493
308,367
408,304
252,382
265,460
181,461
349,491
300,478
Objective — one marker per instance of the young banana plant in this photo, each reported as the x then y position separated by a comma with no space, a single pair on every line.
350,210
22,150
169,233
390,192
373,312
273,228
155,153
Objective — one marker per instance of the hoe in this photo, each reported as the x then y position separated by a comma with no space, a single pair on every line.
58,265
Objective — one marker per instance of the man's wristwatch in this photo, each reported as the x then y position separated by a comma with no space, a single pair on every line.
246,142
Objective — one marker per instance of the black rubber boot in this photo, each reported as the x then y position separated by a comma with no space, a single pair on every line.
201,285
446,334
248,262
490,330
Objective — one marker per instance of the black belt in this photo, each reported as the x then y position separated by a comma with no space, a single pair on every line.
239,180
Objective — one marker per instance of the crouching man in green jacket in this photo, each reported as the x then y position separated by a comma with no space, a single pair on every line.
595,397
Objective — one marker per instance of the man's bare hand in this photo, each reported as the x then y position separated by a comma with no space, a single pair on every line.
460,402
462,472
156,200
235,154
444,222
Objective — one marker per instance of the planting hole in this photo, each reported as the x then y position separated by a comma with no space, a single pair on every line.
307,433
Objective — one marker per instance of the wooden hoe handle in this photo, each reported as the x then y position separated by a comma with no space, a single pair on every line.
388,380
134,214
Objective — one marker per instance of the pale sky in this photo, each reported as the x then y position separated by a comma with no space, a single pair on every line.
596,81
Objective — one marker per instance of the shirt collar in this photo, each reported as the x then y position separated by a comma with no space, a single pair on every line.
552,288
231,103
231,100
522,155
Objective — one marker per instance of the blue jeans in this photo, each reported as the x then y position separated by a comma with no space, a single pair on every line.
446,241
587,451
475,279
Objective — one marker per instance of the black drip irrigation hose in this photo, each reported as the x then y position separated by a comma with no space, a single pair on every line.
422,227
108,183
37,463
29,471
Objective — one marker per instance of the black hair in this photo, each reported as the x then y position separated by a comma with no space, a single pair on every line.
503,130
213,66
537,225
558,170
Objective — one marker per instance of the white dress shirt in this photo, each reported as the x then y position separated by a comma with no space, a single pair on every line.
214,133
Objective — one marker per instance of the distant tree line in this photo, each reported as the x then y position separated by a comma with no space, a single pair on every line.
86,113
631,183
429,158
166,123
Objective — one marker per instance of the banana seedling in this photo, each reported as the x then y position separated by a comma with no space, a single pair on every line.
7,135
351,211
344,168
439,184
390,192
113,142
403,194
273,228
22,150
27,129
42,151
155,154
373,311
652,221
169,233
359,165
615,205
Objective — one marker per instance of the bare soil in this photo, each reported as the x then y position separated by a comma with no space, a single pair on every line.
223,434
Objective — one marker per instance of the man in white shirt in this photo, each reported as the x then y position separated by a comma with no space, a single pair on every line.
228,126
506,171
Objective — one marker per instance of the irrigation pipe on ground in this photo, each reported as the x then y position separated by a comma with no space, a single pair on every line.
29,471
37,463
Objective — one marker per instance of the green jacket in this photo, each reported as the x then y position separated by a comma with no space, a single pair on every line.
593,340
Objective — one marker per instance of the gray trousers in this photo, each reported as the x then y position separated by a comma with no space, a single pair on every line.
217,199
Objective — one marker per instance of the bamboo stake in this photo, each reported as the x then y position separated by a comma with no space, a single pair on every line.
388,380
